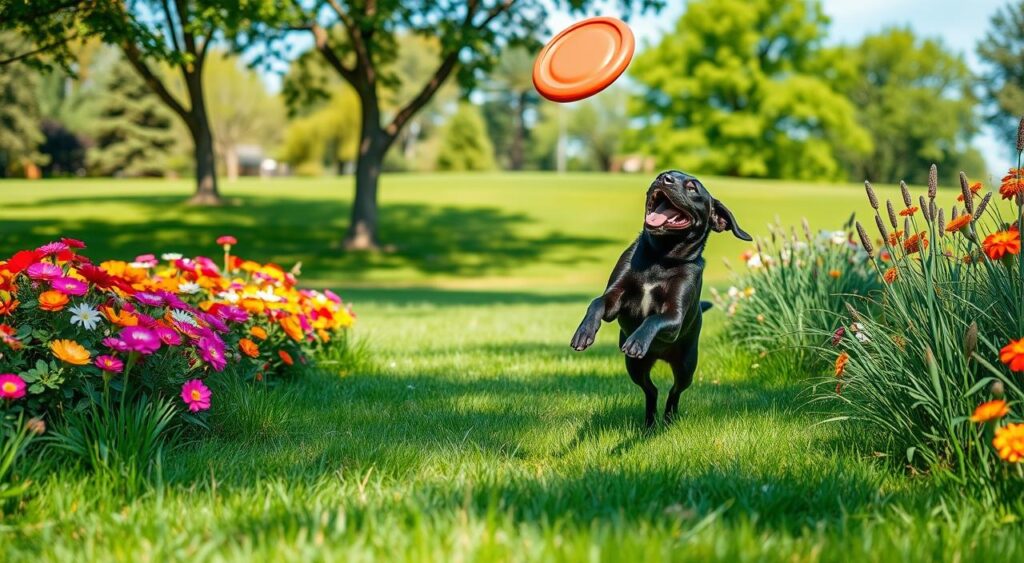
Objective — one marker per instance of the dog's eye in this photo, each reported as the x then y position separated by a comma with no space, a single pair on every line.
691,186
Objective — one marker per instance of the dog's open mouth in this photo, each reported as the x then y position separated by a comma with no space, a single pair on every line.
662,214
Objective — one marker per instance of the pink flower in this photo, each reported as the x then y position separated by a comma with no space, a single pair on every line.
196,395
69,286
52,248
211,350
11,386
109,364
44,271
227,240
168,336
151,299
115,344
140,339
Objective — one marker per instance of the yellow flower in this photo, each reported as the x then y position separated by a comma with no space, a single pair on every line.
69,351
1009,442
989,411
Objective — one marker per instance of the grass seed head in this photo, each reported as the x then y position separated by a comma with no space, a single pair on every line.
871,195
926,210
965,187
933,181
982,205
906,193
892,214
941,220
971,341
865,240
1020,135
881,227
807,229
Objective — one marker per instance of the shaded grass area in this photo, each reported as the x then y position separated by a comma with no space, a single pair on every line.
483,230
477,434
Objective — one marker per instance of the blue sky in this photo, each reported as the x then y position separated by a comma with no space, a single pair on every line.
959,23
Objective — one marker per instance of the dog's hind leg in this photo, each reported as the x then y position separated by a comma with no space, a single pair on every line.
683,367
639,370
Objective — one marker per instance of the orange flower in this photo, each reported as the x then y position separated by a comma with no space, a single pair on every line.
249,348
293,328
1001,243
258,332
286,357
69,351
895,237
975,188
835,274
1013,355
989,411
122,319
52,300
891,275
255,306
8,307
841,362
958,223
908,212
915,243
1009,442
1012,184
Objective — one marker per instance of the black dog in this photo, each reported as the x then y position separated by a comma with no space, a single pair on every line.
654,290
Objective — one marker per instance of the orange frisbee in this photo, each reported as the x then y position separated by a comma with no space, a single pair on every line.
584,59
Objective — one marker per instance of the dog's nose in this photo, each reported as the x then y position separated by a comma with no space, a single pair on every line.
667,179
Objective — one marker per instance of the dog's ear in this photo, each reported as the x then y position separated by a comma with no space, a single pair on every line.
722,220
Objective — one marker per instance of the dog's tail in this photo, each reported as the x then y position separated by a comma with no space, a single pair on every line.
705,305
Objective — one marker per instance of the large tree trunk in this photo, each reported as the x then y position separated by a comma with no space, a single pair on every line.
202,138
373,144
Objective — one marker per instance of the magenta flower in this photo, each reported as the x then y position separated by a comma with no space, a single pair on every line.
69,286
232,313
168,336
52,248
173,301
211,350
196,395
140,339
12,386
147,260
213,321
115,344
109,364
227,240
151,299
44,271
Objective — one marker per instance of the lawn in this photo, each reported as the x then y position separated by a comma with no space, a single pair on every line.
475,433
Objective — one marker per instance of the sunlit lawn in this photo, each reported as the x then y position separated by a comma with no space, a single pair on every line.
476,434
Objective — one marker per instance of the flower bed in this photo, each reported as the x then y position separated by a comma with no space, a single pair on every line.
74,333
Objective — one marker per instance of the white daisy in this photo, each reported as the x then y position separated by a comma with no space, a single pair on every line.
269,296
183,317
229,296
171,256
140,265
190,288
86,315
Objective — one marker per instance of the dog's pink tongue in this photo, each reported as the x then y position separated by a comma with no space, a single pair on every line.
661,215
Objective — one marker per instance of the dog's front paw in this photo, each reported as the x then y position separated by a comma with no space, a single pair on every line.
636,346
583,338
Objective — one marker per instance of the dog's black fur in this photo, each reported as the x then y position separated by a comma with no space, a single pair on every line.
654,290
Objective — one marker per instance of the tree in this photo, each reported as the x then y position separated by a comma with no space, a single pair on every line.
465,145
732,92
20,133
133,131
328,136
149,33
915,99
1002,51
240,108
471,33
510,86
598,124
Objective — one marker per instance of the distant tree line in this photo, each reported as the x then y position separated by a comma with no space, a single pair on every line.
740,87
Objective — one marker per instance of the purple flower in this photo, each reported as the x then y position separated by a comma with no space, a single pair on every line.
44,271
52,248
168,336
69,286
140,339
211,350
115,344
232,313
213,321
151,299
173,301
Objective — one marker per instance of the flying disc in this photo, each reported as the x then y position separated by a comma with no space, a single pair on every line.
584,59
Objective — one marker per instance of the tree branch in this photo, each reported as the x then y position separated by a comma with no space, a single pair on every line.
363,60
39,50
170,25
131,52
321,42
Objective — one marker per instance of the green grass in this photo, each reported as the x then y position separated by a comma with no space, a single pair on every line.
477,434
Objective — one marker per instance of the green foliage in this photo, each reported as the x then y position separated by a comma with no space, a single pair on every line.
914,97
793,290
1002,51
734,91
122,445
14,464
20,135
327,136
465,145
133,130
